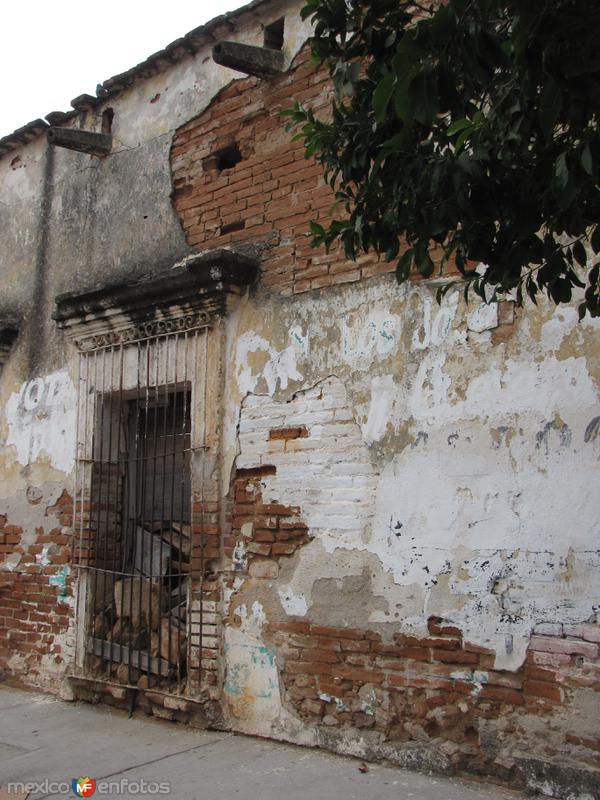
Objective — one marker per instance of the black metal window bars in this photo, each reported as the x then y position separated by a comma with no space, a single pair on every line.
136,434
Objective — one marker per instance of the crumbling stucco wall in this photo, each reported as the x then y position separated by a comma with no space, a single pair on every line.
37,587
442,459
454,461
70,222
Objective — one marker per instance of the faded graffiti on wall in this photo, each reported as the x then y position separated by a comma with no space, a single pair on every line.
42,420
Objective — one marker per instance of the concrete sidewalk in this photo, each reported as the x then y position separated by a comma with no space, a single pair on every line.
42,738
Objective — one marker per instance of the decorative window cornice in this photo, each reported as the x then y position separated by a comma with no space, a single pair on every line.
143,331
185,298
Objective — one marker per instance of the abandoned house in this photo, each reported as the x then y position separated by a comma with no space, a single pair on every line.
249,484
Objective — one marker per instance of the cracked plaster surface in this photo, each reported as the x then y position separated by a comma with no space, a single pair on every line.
440,471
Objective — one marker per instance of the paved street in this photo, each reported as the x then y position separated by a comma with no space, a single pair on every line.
44,738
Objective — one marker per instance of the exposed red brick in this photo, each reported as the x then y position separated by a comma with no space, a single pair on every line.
455,657
341,633
551,644
502,695
298,432
544,690
257,472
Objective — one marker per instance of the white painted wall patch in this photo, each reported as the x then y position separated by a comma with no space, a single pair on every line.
42,419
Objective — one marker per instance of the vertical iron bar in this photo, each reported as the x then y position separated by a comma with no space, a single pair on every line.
101,433
164,472
157,349
80,463
77,458
95,492
85,525
143,456
110,576
173,464
184,451
121,523
133,521
74,558
203,503
194,401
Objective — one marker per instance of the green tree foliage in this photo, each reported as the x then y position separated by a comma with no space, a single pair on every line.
469,124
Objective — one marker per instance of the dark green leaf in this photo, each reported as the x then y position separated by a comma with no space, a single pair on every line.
561,291
561,171
462,138
471,122
404,265
532,290
424,263
550,105
579,254
586,160
402,105
381,96
458,125
423,96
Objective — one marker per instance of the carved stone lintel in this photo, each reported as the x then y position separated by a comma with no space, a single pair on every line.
185,298
260,61
94,144
146,330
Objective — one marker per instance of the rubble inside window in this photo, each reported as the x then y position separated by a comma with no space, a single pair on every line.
141,564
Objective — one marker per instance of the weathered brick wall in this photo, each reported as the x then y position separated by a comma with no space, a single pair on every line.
36,596
346,416
443,693
441,690
269,197
205,593
313,445
261,530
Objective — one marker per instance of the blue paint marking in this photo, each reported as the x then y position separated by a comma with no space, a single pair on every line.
263,656
239,675
60,581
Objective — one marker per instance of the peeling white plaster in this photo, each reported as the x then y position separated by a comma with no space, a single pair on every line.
365,338
329,473
516,387
435,322
383,397
299,339
483,318
240,557
43,558
11,561
295,605
41,421
64,643
469,521
230,591
560,325
251,688
251,620
280,368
